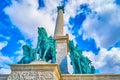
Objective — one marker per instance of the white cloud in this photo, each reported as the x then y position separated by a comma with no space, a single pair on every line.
19,54
3,44
5,71
103,26
5,61
27,17
22,42
106,61
71,9
5,37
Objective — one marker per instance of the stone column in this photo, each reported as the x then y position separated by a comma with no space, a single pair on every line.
62,42
59,22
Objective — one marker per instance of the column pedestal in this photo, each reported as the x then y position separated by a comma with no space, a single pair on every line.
62,52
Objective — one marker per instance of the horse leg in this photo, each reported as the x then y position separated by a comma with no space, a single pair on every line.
40,53
80,68
53,57
46,50
73,65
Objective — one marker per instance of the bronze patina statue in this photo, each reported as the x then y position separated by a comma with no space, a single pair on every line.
46,46
80,63
28,55
46,49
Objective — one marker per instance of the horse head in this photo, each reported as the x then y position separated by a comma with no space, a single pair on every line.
42,32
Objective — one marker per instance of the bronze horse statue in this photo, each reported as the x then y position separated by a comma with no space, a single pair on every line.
46,49
46,46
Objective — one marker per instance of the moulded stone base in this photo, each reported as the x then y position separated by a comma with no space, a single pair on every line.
91,77
34,72
48,71
4,76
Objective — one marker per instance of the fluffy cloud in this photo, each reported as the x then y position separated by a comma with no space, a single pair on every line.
4,60
3,44
5,37
4,64
71,10
27,17
106,61
103,25
22,42
5,71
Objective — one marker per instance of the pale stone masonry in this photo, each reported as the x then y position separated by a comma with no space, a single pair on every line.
48,71
91,77
61,53
62,42
38,71
59,22
4,76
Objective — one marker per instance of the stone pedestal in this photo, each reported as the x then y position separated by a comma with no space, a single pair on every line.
34,72
62,51
46,71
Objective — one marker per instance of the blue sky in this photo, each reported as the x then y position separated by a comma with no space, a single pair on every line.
92,24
